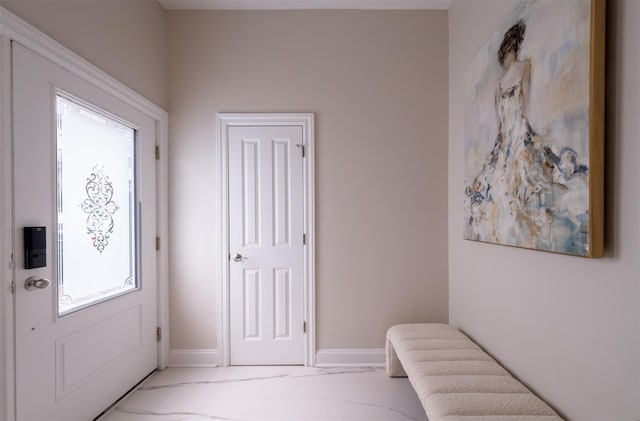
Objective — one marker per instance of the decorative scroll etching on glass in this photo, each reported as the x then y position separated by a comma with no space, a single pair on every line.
100,207
96,200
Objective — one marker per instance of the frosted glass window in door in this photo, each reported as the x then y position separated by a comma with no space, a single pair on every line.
96,203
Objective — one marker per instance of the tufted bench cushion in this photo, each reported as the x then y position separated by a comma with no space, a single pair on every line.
456,380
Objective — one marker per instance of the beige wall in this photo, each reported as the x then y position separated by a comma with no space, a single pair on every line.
126,39
568,327
377,83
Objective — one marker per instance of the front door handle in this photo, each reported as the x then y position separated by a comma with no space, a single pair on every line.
238,257
33,283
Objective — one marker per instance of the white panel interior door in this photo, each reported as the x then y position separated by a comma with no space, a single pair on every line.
266,243
75,358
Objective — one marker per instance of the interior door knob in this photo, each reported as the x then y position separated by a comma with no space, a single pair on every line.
33,283
238,257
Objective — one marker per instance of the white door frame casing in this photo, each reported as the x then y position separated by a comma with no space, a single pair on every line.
6,237
306,122
12,28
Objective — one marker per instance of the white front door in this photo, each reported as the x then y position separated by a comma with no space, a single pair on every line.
85,299
266,245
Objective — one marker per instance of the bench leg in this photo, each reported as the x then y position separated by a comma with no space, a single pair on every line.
394,366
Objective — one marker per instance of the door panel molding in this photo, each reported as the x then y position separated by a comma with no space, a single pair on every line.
12,28
224,122
69,376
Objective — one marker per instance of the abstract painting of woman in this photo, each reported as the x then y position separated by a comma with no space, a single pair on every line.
532,189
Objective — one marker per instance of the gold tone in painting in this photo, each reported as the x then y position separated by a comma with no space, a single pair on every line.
534,148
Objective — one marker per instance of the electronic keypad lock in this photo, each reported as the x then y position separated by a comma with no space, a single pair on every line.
35,247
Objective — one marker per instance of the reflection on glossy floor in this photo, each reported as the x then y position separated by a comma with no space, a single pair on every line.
270,393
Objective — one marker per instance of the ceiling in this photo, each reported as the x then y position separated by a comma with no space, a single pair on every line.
304,4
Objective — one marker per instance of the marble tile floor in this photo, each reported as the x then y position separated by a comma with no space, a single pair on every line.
270,393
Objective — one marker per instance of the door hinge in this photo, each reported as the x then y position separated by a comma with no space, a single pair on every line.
13,287
157,152
304,327
157,243
158,334
301,146
304,239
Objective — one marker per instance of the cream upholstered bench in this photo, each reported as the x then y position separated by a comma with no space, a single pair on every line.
455,379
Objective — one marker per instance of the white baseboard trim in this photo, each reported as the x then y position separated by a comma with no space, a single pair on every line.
193,358
356,357
347,357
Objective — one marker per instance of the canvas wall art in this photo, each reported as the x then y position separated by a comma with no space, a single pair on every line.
534,130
